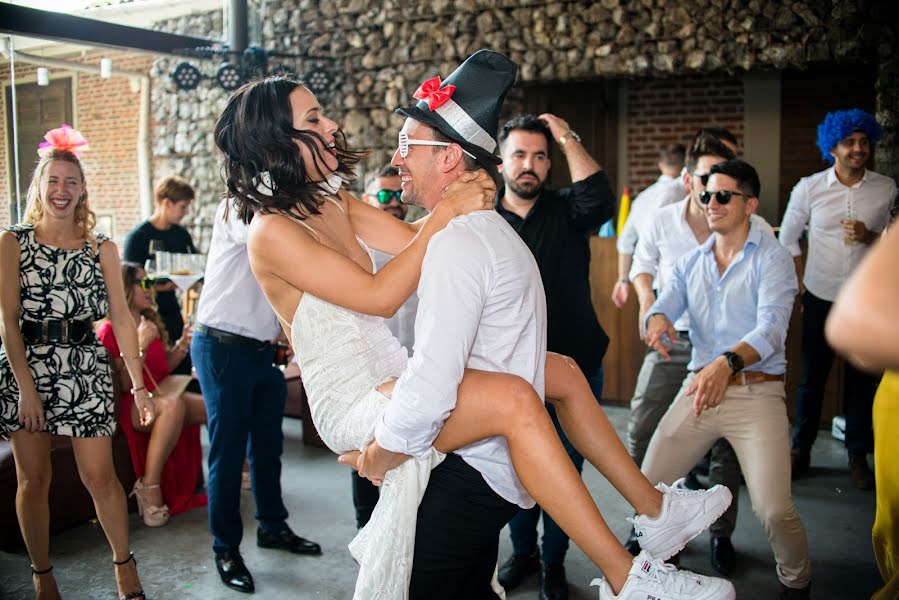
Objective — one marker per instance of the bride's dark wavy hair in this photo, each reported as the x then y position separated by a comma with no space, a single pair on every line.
255,133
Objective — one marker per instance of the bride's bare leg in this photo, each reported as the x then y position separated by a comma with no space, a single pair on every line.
492,404
588,428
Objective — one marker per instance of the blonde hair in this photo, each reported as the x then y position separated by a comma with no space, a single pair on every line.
85,219
129,274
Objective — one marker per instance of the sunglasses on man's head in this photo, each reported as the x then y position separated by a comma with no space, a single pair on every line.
722,196
385,196
704,179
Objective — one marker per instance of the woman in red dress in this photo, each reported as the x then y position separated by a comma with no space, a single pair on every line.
166,454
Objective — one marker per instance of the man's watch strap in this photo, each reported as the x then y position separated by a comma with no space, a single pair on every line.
734,361
569,135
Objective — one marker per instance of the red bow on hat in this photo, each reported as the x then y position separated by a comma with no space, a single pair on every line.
431,92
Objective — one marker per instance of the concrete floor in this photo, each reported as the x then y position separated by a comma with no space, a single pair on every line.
176,560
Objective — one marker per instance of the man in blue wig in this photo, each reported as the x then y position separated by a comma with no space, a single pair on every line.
845,207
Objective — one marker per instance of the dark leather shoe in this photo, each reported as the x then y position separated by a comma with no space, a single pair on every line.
724,557
553,584
791,594
286,540
234,573
799,463
514,570
860,472
632,544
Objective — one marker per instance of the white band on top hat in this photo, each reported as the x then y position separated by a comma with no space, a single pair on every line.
467,127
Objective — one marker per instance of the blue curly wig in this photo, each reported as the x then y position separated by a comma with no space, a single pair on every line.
841,124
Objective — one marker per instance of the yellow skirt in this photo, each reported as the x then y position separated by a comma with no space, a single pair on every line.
885,535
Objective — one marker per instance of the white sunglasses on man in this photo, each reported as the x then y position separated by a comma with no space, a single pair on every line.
405,141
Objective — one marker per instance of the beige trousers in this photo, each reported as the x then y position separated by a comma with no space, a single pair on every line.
753,418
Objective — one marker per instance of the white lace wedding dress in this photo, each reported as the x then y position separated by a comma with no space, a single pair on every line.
344,356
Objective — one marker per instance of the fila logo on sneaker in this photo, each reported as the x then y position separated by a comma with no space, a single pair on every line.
647,567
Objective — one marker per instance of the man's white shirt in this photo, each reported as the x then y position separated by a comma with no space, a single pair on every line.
481,306
232,299
666,190
821,202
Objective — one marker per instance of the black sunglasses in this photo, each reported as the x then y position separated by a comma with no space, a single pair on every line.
704,179
722,196
385,196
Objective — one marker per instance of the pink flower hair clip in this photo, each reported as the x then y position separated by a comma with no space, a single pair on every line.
64,138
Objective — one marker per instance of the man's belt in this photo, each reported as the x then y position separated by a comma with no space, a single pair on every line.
69,332
751,377
227,337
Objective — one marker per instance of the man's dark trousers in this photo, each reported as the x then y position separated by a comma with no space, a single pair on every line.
457,535
244,397
858,387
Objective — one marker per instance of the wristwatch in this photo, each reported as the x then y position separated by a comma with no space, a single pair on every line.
569,135
734,361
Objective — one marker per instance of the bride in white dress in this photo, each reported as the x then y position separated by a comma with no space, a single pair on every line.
308,247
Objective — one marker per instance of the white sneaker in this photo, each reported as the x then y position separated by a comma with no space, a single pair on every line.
653,579
685,514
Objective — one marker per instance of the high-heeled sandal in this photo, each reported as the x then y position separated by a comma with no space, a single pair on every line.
41,573
138,595
154,516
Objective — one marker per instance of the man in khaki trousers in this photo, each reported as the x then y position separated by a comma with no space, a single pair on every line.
738,290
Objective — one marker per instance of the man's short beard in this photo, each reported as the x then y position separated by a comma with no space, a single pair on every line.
525,194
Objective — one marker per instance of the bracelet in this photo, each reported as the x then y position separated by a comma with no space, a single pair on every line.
140,354
140,389
623,280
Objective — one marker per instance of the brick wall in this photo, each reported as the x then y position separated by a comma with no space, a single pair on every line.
107,113
663,111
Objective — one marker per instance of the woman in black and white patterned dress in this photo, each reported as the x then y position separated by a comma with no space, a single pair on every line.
54,374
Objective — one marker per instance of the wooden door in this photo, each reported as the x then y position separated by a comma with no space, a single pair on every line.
590,108
39,109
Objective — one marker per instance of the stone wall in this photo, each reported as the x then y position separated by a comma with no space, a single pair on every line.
887,92
379,52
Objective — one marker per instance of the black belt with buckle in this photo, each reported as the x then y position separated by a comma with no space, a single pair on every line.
69,332
226,337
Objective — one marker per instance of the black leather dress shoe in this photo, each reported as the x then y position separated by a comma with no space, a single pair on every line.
514,570
723,555
286,540
234,573
553,584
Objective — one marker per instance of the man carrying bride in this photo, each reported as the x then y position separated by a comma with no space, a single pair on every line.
310,247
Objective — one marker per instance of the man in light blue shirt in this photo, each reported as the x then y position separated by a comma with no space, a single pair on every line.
738,290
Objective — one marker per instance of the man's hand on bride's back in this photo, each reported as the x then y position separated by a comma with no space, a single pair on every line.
472,190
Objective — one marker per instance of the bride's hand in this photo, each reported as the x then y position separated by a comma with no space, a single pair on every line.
472,190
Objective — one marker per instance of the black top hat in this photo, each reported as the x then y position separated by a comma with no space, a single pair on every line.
465,107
